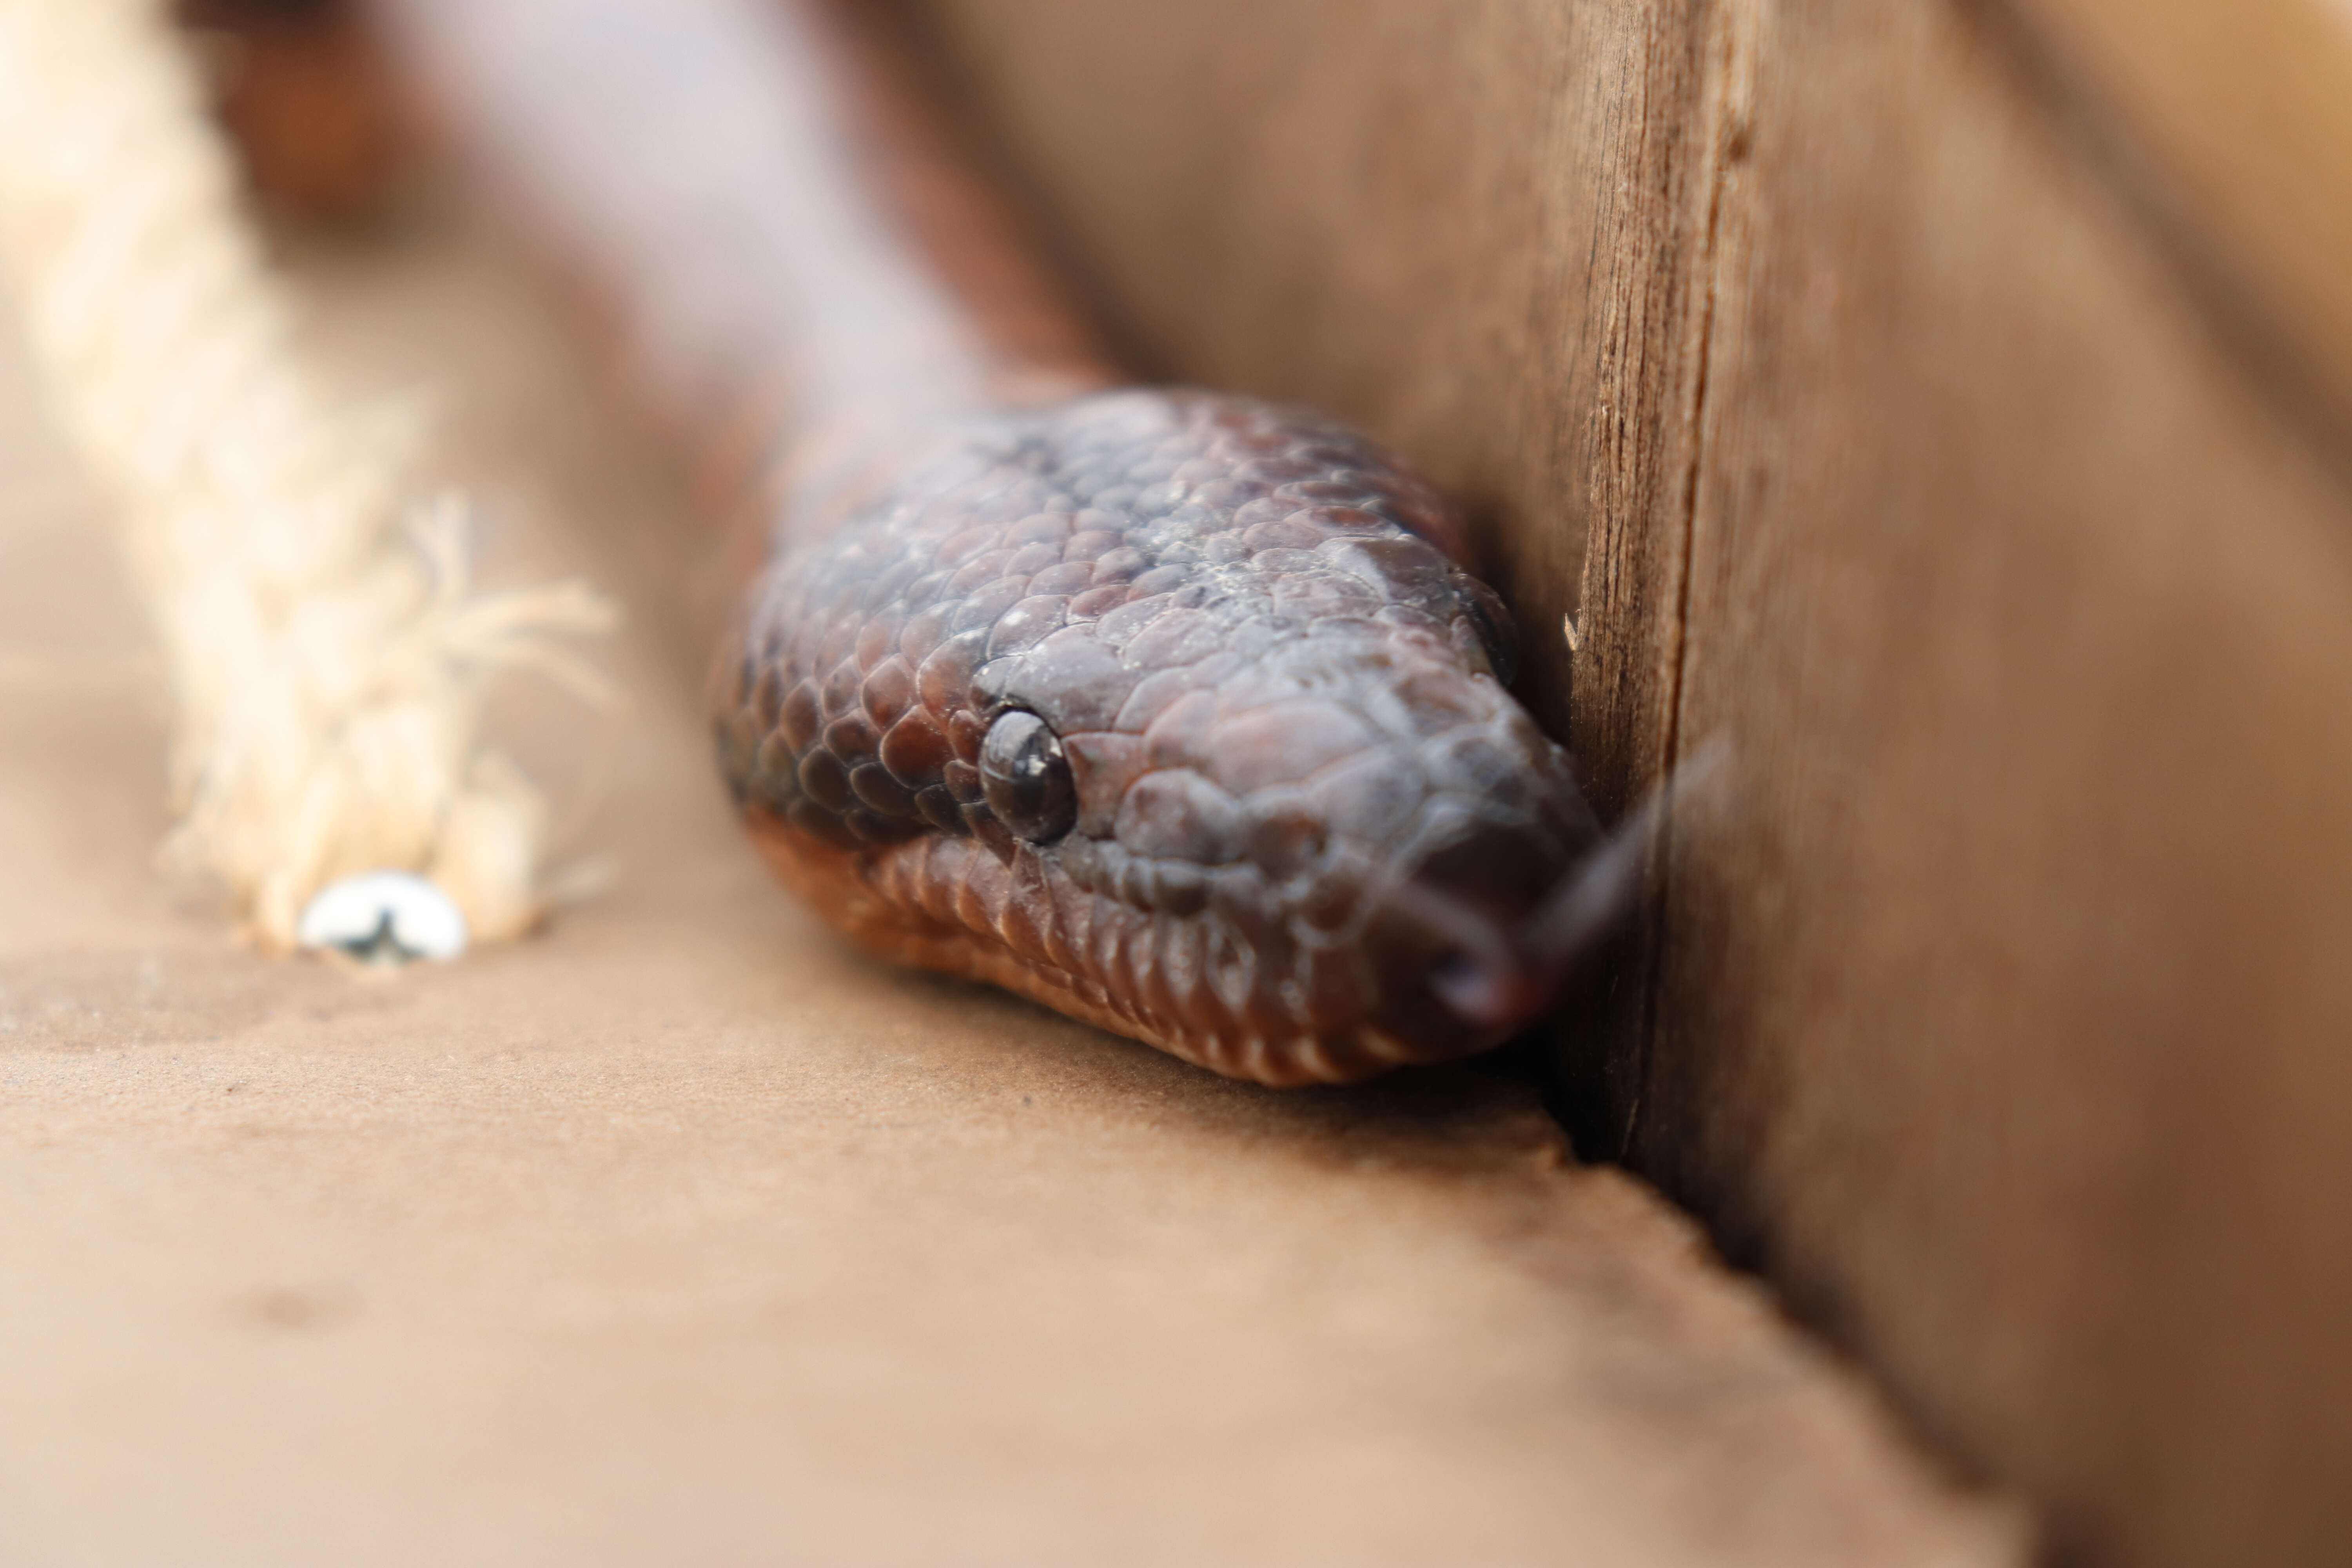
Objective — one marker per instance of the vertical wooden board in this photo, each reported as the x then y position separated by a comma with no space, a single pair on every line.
2009,973
1455,226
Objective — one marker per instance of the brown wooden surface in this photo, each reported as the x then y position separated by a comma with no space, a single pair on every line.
1878,424
2007,995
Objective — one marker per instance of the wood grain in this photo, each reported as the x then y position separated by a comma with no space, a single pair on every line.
2005,989
1884,425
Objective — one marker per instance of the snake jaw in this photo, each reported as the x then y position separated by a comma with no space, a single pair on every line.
1308,831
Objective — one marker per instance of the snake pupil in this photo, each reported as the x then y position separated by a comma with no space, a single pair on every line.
1025,777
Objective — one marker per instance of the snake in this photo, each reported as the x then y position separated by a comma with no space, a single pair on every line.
1175,711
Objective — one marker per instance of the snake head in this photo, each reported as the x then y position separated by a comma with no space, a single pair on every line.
1162,709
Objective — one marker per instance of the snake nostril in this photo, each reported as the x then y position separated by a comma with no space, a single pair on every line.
1452,962
1485,989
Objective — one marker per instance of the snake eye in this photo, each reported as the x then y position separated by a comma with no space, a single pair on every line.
1025,777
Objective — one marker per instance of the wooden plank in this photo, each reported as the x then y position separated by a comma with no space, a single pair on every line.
2001,998
2005,996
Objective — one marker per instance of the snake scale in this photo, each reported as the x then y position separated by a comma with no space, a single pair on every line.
1173,710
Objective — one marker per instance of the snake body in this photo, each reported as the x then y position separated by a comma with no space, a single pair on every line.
1170,710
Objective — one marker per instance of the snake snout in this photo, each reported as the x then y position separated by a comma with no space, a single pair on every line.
1450,938
1482,977
1480,937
